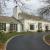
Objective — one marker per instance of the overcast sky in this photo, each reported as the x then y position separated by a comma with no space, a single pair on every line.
29,6
34,5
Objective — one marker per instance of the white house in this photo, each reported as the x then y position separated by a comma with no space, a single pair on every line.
33,23
30,22
22,22
8,24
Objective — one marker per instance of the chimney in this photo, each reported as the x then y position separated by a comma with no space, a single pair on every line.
16,11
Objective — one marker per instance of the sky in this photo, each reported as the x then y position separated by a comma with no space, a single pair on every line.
34,5
7,7
30,6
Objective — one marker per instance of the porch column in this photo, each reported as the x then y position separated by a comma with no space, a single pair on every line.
7,27
43,27
18,27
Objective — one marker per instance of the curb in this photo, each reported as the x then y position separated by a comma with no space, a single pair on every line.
9,40
45,40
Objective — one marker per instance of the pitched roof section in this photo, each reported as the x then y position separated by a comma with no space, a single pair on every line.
6,19
27,16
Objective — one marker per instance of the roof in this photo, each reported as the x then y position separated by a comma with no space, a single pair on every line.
27,16
6,19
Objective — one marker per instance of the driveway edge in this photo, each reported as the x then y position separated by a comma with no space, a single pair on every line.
9,40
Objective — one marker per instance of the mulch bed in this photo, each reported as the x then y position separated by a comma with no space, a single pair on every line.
47,38
1,46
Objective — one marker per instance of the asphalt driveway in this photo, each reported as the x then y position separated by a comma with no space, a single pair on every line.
28,42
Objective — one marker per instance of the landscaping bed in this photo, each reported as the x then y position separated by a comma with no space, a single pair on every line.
46,39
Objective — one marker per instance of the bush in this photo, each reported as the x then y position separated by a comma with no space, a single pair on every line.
47,39
2,37
39,30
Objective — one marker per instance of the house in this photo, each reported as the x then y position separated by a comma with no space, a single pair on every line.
33,23
8,24
23,22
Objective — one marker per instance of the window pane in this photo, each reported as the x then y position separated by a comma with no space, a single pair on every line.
3,26
13,27
31,27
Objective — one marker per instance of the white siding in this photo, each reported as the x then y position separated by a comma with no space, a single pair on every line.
19,27
35,23
45,24
7,27
27,25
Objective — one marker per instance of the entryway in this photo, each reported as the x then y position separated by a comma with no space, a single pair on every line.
13,27
46,28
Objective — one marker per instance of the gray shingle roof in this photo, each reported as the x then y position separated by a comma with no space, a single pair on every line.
27,16
6,19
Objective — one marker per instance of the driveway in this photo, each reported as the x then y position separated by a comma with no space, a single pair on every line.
28,42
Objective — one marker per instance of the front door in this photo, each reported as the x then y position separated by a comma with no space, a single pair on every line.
46,27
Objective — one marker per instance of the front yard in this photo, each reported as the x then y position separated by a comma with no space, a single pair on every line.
4,37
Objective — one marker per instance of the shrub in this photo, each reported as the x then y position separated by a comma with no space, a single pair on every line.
39,30
2,37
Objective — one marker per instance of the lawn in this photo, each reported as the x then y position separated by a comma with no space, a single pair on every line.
4,37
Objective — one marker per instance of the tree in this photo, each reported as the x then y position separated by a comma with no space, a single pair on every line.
46,1
44,11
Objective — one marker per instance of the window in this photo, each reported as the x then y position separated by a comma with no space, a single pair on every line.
31,27
46,27
3,26
13,27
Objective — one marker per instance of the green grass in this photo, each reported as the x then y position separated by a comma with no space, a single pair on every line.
4,37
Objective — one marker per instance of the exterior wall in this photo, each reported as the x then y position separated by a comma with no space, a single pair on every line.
28,22
49,26
27,25
7,27
45,24
16,12
19,27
